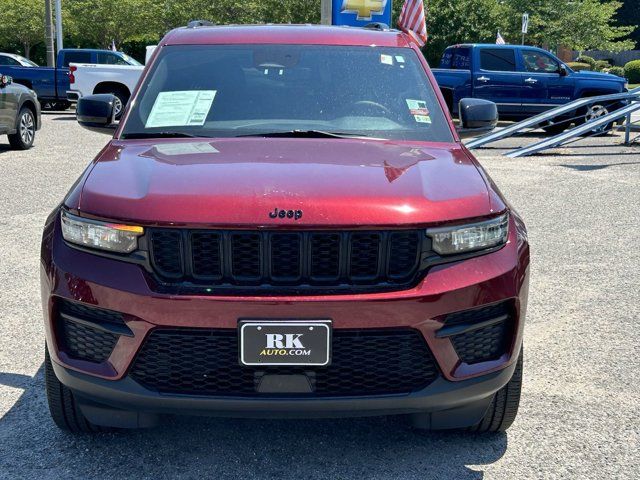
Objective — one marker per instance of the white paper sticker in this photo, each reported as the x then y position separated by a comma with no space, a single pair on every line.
399,59
182,108
386,59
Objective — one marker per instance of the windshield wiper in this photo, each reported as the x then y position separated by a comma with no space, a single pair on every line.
157,135
306,134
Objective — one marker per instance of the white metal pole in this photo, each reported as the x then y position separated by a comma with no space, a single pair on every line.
59,45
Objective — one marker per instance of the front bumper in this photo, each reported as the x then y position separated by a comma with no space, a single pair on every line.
123,287
442,405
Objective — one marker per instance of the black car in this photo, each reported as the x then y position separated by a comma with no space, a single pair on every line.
19,113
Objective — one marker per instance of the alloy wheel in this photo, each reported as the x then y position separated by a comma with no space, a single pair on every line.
596,111
27,128
117,107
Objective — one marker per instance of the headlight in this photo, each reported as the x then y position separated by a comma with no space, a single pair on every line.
105,236
470,237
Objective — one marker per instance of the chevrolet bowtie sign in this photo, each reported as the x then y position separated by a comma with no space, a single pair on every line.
360,12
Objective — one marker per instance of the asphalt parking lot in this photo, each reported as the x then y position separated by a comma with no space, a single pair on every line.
580,412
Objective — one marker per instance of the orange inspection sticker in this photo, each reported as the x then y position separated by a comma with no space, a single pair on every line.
419,110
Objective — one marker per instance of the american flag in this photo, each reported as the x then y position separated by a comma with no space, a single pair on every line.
412,20
500,40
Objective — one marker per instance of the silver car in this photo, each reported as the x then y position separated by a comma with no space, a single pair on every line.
19,113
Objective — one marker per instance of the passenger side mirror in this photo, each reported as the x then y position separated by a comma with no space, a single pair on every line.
562,70
476,116
96,113
5,80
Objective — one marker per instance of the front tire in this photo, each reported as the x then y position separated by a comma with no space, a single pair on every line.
555,129
595,111
504,406
26,134
122,97
63,405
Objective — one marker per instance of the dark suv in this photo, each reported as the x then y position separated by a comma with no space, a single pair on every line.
19,113
284,224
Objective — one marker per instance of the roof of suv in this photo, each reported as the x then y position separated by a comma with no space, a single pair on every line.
293,34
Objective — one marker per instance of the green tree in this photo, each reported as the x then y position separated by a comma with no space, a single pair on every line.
22,23
461,21
98,23
289,11
629,15
577,24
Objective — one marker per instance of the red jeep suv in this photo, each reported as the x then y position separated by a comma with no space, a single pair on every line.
284,224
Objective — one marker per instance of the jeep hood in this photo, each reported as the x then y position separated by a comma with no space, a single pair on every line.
239,181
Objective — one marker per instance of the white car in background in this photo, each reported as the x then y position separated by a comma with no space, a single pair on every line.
119,80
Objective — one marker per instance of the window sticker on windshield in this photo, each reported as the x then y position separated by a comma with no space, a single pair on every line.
386,59
399,59
419,110
182,108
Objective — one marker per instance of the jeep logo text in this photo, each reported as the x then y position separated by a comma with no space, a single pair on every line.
295,214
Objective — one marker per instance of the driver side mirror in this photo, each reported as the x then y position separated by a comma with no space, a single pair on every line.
562,70
476,116
5,80
96,113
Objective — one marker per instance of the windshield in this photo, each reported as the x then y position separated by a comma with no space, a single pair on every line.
130,60
25,61
239,90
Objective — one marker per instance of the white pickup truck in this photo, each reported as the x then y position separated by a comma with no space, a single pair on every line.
119,80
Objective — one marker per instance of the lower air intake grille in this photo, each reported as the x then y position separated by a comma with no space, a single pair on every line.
205,362
486,343
86,343
81,339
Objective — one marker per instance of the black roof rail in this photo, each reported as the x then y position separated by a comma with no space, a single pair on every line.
377,26
200,23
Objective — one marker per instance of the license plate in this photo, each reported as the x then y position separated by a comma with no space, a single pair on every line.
285,342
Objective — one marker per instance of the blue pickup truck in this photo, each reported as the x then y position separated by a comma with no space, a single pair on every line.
521,80
51,84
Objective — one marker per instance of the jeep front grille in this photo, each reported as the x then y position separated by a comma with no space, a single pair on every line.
205,362
220,258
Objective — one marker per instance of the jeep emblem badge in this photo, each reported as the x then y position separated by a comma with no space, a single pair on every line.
295,214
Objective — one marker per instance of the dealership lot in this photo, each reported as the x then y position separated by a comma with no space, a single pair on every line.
580,415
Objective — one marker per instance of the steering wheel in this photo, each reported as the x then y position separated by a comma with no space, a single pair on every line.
369,103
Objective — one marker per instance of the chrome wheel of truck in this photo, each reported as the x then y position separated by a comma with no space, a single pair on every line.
593,112
117,107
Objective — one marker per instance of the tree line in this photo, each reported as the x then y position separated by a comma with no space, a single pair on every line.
133,24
